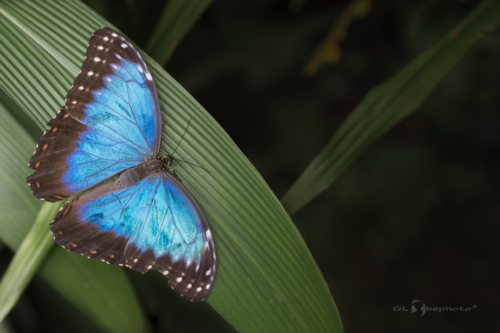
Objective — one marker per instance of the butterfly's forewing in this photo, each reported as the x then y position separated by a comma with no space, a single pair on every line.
153,224
70,157
111,122
115,93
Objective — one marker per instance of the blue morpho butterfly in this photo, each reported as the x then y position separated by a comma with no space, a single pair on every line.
145,219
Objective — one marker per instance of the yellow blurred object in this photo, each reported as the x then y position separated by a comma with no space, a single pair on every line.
329,50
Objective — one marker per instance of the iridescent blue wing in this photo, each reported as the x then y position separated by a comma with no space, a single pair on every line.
153,224
111,122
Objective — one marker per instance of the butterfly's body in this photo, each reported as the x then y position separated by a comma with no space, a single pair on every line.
134,175
145,219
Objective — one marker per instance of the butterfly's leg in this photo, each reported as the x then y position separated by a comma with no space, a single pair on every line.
171,169
173,172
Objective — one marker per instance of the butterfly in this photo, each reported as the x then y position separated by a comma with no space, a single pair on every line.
145,219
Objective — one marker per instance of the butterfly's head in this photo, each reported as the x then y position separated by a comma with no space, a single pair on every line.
167,160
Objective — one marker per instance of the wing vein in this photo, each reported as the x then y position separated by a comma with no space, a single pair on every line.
140,129
149,210
112,130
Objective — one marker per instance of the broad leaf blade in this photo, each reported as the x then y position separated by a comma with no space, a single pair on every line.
19,208
267,278
389,103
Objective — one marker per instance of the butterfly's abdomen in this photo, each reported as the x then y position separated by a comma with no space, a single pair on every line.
134,175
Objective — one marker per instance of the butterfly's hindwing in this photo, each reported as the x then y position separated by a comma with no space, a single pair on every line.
159,222
182,231
87,238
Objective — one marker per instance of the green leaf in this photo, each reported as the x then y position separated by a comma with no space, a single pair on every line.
28,258
18,206
4,328
23,120
389,103
101,291
110,302
267,279
175,21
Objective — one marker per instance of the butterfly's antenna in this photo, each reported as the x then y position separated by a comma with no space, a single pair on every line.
182,137
178,160
178,147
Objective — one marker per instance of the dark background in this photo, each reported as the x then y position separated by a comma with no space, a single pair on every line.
415,217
